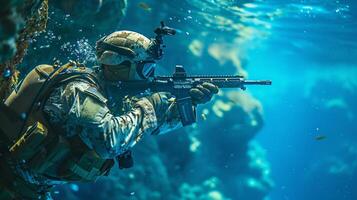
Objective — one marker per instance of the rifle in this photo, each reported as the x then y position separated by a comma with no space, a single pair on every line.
179,85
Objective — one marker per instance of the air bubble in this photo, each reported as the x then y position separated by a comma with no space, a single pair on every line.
6,73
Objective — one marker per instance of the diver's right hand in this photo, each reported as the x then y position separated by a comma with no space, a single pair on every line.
161,102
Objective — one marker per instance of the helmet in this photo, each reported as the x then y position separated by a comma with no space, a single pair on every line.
126,48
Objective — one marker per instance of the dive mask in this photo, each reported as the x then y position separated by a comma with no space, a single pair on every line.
145,69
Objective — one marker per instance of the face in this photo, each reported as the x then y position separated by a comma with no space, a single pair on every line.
129,70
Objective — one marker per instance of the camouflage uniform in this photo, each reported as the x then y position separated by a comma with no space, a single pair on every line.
77,120
80,108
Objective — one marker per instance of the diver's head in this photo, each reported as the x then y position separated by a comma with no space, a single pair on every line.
125,55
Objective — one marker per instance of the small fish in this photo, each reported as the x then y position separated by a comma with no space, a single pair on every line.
144,6
204,117
74,187
320,137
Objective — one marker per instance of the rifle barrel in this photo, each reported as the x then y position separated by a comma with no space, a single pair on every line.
257,82
237,83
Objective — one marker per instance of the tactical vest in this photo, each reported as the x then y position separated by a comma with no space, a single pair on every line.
32,140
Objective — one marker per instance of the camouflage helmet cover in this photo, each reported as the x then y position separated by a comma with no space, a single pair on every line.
123,45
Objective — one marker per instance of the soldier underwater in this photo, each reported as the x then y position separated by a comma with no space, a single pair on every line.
70,123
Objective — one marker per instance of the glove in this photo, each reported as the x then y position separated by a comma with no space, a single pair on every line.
161,102
203,93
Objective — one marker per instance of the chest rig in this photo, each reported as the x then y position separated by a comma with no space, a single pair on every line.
31,141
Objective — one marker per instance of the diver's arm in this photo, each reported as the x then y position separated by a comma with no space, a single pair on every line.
171,122
88,116
112,135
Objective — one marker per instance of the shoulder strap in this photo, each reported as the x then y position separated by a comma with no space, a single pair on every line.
63,74
41,80
49,75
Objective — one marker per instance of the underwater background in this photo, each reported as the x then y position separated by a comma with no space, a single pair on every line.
293,140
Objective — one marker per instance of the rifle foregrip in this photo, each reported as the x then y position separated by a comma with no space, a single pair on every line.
186,110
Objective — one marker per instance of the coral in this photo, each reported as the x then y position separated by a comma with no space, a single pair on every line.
25,20
238,111
215,50
74,27
207,190
196,48
242,165
229,155
256,181
35,22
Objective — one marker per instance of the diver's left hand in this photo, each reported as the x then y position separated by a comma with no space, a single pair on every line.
203,93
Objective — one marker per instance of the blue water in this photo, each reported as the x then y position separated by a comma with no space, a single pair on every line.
312,59
308,48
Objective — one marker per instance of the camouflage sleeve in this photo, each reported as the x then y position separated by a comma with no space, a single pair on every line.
170,115
78,108
172,121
